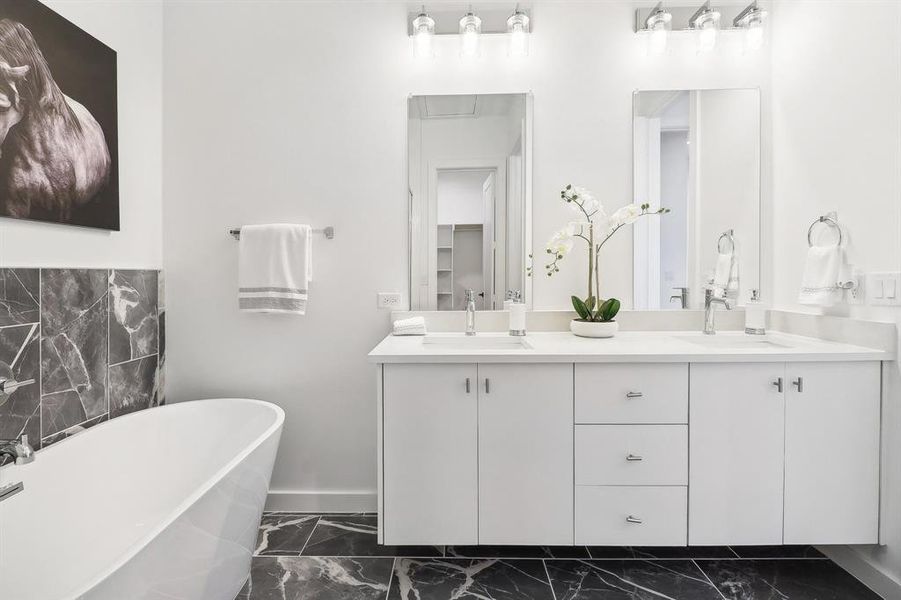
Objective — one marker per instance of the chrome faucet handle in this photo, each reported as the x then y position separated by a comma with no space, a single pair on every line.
469,295
8,386
19,449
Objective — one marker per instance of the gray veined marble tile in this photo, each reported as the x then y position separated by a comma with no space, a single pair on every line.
777,552
161,343
67,433
19,296
317,578
464,579
629,580
74,360
21,412
357,535
133,386
784,578
134,312
284,534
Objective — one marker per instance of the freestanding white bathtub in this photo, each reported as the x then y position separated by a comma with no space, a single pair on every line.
159,504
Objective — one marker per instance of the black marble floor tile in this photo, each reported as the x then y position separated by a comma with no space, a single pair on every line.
516,552
660,553
317,578
357,535
66,433
19,296
134,314
20,412
464,579
284,534
133,386
74,345
776,552
629,580
783,578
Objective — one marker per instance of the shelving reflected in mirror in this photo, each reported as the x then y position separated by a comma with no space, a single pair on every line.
469,165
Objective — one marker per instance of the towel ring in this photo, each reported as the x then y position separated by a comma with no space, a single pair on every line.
827,220
729,236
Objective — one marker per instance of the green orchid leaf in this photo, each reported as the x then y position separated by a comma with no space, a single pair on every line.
581,309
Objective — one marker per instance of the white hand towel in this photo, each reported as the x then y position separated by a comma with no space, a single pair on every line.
275,267
723,270
819,286
410,326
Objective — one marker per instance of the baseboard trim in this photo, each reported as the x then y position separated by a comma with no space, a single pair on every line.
855,564
320,501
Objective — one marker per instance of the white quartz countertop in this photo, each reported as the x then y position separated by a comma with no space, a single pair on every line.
627,346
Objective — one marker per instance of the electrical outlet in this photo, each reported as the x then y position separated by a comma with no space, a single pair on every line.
389,300
858,295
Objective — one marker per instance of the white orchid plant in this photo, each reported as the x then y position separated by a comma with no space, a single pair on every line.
593,221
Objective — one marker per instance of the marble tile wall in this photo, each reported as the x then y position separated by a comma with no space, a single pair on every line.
91,339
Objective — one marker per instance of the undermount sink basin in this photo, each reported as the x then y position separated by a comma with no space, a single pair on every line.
733,341
477,342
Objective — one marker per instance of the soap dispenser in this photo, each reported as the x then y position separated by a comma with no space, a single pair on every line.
518,318
755,315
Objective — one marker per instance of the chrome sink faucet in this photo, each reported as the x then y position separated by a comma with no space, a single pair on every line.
19,450
470,312
710,301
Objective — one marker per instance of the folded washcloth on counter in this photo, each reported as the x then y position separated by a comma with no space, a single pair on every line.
822,271
411,326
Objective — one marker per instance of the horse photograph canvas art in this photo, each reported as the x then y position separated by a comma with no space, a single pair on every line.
58,120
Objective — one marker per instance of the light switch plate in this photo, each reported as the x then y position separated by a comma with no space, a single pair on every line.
884,289
390,300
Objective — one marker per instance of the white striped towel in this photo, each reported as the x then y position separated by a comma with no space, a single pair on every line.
410,326
275,267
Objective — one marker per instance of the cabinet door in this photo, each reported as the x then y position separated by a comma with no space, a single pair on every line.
430,450
832,453
526,454
737,424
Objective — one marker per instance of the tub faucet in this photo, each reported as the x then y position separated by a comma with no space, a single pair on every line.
470,312
710,300
18,450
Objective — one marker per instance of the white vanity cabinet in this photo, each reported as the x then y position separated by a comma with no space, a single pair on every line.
477,454
784,453
701,447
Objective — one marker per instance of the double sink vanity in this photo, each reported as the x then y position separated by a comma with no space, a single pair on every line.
646,439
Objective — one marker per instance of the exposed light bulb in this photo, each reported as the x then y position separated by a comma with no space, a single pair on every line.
470,34
518,32
751,19
423,35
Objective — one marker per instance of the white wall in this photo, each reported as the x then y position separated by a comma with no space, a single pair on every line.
673,228
280,117
134,30
837,146
460,197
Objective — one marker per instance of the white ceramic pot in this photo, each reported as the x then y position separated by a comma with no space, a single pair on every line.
594,329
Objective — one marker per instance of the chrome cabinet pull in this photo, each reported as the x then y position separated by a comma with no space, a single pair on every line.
487,386
467,385
631,519
8,491
778,384
799,383
634,394
634,458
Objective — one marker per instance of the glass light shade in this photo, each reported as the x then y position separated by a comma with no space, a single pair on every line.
707,25
518,32
423,35
658,24
752,23
470,34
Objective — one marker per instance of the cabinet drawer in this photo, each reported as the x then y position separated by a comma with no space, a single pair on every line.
632,455
631,516
632,393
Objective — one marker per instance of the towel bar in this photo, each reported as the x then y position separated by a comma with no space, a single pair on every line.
329,232
729,236
827,219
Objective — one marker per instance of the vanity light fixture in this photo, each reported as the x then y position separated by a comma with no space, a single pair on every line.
423,35
658,23
706,22
470,34
518,31
751,21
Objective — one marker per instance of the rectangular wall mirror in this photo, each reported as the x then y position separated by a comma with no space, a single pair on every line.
470,197
696,152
